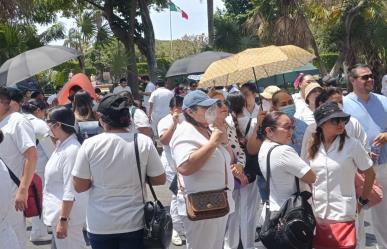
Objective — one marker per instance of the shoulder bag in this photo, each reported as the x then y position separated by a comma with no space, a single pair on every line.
35,194
207,204
293,225
158,221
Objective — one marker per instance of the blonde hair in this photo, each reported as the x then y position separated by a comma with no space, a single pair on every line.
216,95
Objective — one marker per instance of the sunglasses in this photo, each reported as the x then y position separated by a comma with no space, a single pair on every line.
221,103
337,121
366,77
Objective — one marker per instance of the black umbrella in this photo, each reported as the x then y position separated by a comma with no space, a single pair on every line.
34,61
195,64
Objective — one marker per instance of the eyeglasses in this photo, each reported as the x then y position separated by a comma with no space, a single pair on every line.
366,77
337,121
221,103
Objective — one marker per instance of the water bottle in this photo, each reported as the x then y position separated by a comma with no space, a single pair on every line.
376,150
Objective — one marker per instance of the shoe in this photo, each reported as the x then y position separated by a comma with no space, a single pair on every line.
176,240
46,237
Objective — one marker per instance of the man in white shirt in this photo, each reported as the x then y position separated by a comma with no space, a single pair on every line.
18,151
150,87
123,86
159,104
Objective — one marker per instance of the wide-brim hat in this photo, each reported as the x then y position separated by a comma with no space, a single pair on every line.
269,91
327,111
197,98
310,87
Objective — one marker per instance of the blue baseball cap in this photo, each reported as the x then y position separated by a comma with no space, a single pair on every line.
197,98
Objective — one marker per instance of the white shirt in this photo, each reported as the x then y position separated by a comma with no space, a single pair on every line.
138,119
334,194
211,176
285,165
252,114
119,89
19,136
384,85
150,87
115,200
51,98
162,127
353,127
45,147
300,104
6,186
242,123
160,99
58,186
306,115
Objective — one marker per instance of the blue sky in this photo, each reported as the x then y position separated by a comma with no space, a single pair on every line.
195,25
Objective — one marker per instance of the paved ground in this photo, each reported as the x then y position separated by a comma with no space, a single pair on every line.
164,195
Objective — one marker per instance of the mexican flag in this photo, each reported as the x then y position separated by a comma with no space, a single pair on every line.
175,8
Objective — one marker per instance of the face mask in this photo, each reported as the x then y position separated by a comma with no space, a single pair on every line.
289,110
210,114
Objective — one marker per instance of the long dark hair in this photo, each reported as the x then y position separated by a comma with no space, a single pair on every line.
83,105
316,140
271,121
1,136
64,116
236,102
326,94
176,101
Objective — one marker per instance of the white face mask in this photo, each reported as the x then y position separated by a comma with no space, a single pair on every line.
211,114
51,134
266,105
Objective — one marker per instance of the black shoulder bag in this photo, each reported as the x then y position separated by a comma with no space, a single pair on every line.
158,221
251,168
293,225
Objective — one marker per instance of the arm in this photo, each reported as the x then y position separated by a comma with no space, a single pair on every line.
62,227
157,180
198,158
81,185
166,136
146,131
309,177
30,156
150,109
368,182
254,142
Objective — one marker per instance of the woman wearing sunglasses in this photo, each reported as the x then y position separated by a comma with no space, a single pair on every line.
63,208
335,158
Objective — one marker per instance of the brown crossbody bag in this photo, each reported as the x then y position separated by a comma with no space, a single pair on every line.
207,204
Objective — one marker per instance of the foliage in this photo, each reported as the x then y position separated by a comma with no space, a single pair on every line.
329,59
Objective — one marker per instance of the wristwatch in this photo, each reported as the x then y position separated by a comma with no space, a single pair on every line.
64,219
362,201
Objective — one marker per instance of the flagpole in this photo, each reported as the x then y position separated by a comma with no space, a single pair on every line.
170,30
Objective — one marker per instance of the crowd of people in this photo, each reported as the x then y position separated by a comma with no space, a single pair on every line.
212,140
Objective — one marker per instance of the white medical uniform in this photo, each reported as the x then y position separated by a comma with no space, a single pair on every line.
138,119
204,233
18,137
150,87
58,187
160,99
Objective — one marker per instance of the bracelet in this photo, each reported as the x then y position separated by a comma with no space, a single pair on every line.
362,201
64,218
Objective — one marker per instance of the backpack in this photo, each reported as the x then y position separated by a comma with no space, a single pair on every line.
292,227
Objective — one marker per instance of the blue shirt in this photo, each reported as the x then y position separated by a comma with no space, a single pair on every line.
298,135
372,115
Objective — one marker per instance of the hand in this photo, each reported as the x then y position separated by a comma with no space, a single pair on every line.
260,117
61,229
216,136
236,169
175,117
373,156
21,200
380,139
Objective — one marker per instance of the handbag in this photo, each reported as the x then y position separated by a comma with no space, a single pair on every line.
251,168
207,204
376,195
340,235
293,225
35,193
158,221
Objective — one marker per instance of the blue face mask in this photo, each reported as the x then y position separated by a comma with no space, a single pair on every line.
289,110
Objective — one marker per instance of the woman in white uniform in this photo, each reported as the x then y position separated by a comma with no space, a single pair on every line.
203,164
335,158
251,109
166,129
63,208
8,237
35,112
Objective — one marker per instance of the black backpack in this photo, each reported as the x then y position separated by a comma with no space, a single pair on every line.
293,225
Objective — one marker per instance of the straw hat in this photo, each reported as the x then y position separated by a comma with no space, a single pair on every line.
310,87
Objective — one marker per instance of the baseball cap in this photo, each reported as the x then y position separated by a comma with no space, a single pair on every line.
197,98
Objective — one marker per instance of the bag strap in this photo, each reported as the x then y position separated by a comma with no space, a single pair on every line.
248,127
268,175
11,174
139,172
132,111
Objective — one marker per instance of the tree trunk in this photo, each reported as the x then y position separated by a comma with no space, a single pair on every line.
125,33
147,46
210,17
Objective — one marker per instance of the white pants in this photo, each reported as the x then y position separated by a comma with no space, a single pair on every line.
8,237
360,231
242,223
177,220
203,234
379,212
74,239
17,222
